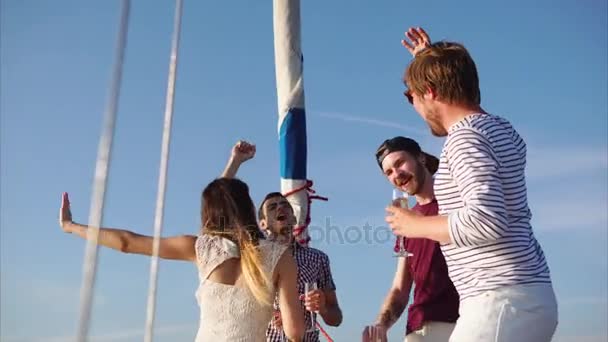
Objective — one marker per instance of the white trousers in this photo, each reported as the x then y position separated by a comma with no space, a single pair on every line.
431,332
521,313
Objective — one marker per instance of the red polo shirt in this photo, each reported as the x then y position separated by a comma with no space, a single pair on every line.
435,297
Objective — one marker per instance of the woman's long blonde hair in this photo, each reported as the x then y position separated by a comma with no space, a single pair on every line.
228,211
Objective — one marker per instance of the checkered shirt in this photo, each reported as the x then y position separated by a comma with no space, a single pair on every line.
313,266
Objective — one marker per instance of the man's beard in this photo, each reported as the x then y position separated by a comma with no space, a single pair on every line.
420,177
281,234
417,180
432,120
438,131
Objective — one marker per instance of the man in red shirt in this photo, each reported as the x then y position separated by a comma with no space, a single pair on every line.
434,311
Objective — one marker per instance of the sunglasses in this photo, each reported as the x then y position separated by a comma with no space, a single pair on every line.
408,94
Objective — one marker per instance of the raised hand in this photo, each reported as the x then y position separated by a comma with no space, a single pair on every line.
243,151
65,215
419,40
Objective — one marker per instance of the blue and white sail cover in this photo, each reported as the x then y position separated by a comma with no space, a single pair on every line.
292,118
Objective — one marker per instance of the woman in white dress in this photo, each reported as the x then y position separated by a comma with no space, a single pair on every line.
240,273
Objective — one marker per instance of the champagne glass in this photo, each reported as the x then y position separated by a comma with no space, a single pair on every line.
400,198
310,286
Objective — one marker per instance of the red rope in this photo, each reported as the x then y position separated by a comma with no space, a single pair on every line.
305,186
299,229
324,333
308,187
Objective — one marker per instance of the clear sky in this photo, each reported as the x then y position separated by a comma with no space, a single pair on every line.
542,65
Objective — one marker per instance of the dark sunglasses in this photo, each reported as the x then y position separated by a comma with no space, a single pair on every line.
408,94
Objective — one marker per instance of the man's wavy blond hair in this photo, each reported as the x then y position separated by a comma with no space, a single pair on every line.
447,69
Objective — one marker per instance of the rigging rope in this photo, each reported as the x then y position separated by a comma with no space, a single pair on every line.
101,179
162,179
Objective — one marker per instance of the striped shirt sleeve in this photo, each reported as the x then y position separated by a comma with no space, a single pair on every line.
475,169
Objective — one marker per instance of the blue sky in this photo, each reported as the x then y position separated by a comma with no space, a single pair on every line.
541,65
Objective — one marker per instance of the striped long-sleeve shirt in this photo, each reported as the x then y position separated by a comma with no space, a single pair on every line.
481,187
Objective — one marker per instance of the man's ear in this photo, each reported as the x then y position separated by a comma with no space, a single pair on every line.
422,159
430,94
263,224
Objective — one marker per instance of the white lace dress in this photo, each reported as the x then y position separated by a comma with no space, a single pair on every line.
230,312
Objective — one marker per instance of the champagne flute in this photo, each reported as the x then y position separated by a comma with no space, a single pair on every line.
400,198
310,286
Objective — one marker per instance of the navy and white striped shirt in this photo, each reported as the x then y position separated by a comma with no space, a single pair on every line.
481,186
